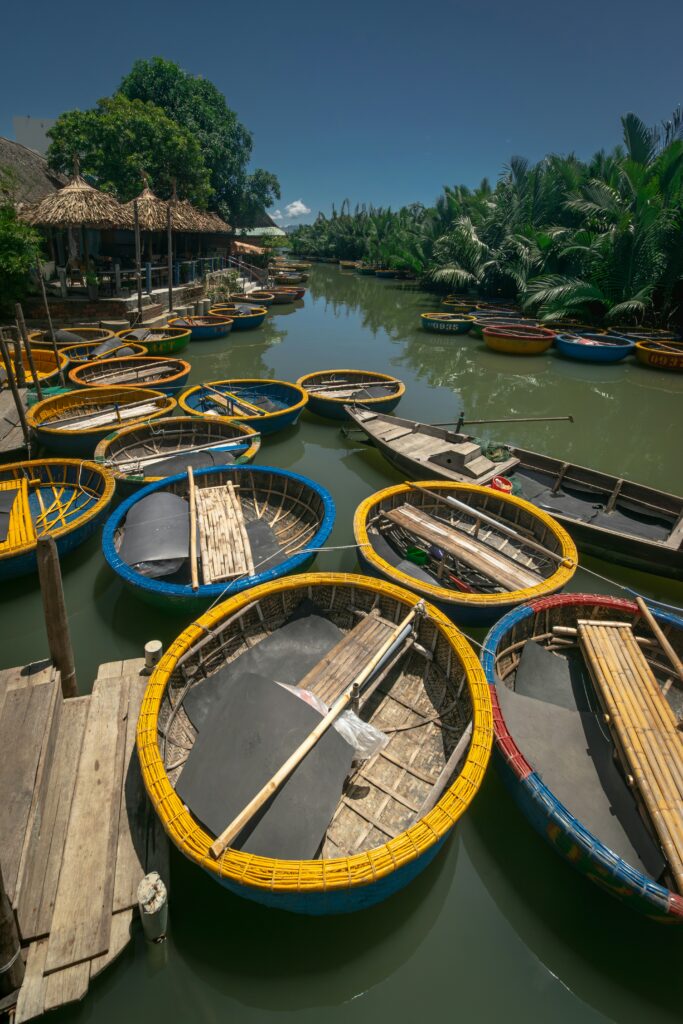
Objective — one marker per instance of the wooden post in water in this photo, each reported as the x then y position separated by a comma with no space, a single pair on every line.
19,372
50,325
56,621
169,246
21,412
21,325
11,960
138,268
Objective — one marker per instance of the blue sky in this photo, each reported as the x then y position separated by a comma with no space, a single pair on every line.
378,102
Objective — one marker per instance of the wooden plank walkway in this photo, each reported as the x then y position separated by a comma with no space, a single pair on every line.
77,832
11,436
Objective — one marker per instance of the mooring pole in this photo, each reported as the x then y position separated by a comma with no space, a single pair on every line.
21,325
19,372
50,325
11,960
138,257
56,621
169,254
21,412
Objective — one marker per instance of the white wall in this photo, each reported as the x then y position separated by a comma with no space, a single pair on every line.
31,132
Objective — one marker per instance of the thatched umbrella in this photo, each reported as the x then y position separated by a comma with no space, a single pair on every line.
151,210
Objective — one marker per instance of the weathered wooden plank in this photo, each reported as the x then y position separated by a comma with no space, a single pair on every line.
66,986
134,820
45,841
31,1001
333,673
25,714
83,904
119,939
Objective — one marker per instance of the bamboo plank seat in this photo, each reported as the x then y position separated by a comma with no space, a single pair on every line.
21,529
468,549
223,542
644,728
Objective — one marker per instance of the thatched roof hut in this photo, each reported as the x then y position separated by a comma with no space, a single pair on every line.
25,177
152,211
78,204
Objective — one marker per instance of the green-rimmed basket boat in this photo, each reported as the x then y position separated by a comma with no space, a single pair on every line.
158,341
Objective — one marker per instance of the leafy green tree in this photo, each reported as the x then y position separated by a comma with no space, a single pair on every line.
19,250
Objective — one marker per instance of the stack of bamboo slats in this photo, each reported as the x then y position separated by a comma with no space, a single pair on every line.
223,541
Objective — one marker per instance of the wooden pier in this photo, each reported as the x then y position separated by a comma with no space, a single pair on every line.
77,832
12,442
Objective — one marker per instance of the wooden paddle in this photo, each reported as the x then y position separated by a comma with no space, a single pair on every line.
352,690
663,642
193,529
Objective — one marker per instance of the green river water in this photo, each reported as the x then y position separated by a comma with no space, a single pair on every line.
498,928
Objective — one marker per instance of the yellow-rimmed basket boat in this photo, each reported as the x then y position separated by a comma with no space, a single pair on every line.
47,366
88,351
65,499
73,423
661,355
517,339
70,336
159,341
330,391
475,552
163,373
434,708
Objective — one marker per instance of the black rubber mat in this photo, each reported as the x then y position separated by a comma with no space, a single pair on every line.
7,499
265,549
555,678
156,536
179,463
254,729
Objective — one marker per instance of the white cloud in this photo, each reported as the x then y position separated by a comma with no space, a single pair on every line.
276,215
297,209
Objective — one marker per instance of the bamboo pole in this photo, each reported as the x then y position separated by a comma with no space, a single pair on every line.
193,529
441,784
235,399
21,325
169,248
21,412
56,619
50,325
461,421
274,783
11,960
663,642
18,361
138,257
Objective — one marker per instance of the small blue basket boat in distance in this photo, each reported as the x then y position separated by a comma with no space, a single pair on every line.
594,348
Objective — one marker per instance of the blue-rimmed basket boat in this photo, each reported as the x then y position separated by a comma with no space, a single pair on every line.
244,317
148,452
88,351
65,499
70,336
446,323
46,365
266,405
282,519
203,328
74,422
163,373
594,348
374,846
330,391
158,341
581,805
411,535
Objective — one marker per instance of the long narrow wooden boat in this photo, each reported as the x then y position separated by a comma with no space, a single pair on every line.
376,828
47,366
594,348
661,355
446,323
517,339
204,328
244,317
71,336
65,499
74,422
330,391
260,298
253,524
87,351
148,452
163,373
159,341
607,516
385,272
266,405
584,707
473,551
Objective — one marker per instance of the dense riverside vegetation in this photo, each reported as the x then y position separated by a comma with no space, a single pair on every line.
601,240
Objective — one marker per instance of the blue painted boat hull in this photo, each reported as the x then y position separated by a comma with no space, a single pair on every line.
209,333
603,353
26,565
335,410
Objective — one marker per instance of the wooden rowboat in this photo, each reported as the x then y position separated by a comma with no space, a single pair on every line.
203,328
159,372
375,829
607,516
159,341
330,391
253,524
266,405
61,498
70,336
46,365
518,340
594,348
147,452
74,422
661,355
586,734
244,317
87,351
475,552
446,323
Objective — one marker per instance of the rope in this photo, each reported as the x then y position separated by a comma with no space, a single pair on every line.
10,963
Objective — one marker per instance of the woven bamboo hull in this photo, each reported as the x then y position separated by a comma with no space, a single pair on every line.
602,353
83,517
86,352
335,408
194,403
170,380
545,813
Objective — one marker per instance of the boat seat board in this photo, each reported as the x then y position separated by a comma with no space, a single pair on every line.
16,523
390,432
573,756
644,728
464,547
256,726
223,540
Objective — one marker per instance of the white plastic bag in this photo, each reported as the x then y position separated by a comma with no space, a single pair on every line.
365,738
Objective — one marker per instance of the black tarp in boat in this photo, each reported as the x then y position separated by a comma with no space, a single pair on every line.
156,534
7,499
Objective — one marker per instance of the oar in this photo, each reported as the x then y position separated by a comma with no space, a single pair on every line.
244,817
663,641
461,421
219,446
221,398
193,529
501,527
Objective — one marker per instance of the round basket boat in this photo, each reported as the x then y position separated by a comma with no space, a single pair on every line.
46,365
203,328
91,350
446,323
261,298
473,551
330,391
266,405
370,846
288,279
594,348
162,373
348,264
244,317
386,273
148,452
158,341
548,717
661,355
61,498
255,524
71,336
518,340
497,319
283,296
365,271
73,423
458,307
